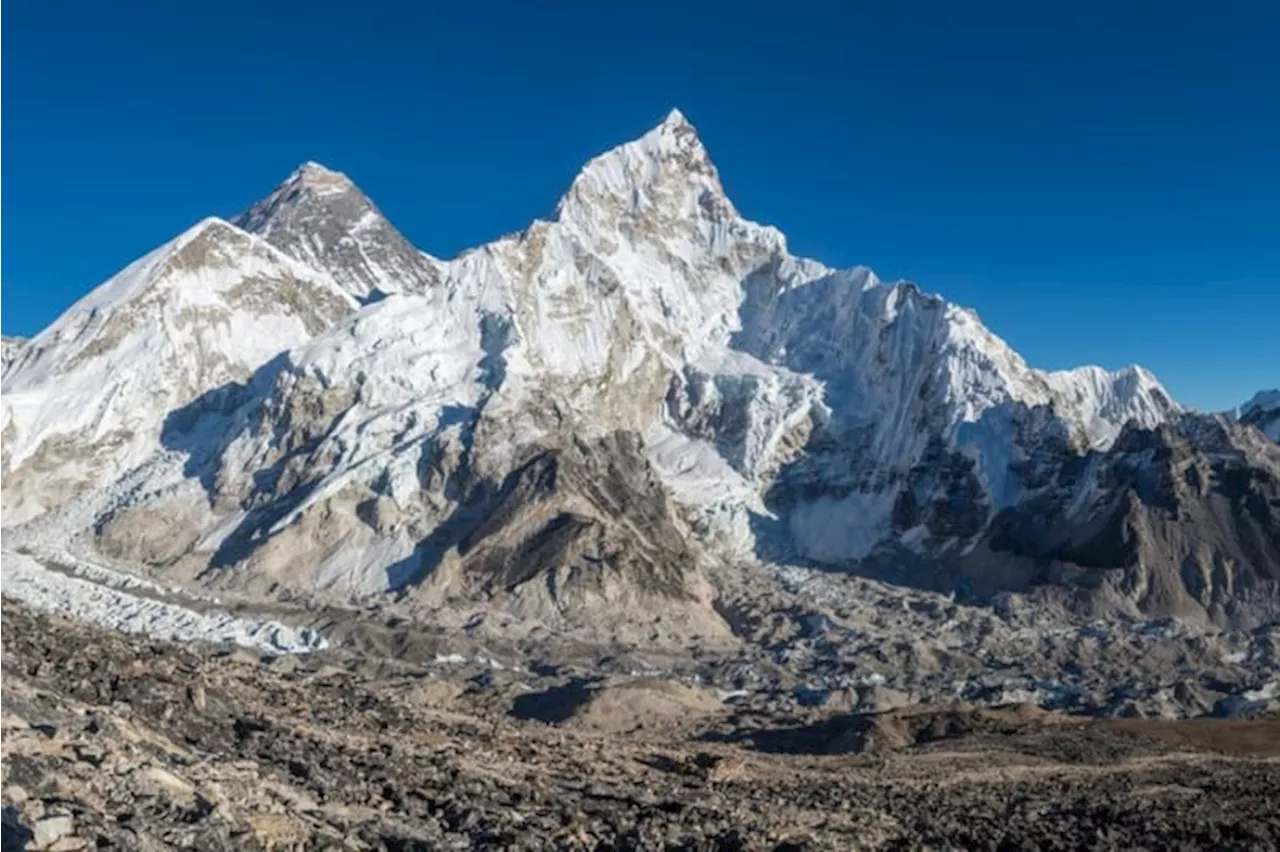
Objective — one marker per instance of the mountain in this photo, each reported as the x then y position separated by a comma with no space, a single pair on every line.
1182,519
85,403
321,219
587,422
10,349
1263,411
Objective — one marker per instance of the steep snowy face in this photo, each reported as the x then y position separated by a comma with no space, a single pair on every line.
10,349
653,215
1263,411
333,465
1105,402
927,417
905,365
89,396
639,274
320,218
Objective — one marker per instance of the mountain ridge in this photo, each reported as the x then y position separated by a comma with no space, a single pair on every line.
1263,411
321,218
205,308
788,411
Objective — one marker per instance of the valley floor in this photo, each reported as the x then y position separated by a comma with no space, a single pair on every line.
119,741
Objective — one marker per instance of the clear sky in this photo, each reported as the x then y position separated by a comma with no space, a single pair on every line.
1099,180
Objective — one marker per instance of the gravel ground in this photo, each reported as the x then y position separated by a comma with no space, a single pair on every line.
115,741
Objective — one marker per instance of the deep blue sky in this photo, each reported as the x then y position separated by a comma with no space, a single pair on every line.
1100,181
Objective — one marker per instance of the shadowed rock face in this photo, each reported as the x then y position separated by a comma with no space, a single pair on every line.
1180,520
581,534
320,218
590,515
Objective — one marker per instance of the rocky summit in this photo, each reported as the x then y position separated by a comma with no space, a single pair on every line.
639,460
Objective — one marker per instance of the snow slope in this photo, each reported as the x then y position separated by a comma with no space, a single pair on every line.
10,350
89,398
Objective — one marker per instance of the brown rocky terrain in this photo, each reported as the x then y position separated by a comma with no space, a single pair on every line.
1186,523
113,741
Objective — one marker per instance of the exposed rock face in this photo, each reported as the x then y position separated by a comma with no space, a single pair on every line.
1183,519
320,218
576,535
600,406
587,509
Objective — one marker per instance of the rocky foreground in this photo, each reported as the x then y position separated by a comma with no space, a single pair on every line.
118,742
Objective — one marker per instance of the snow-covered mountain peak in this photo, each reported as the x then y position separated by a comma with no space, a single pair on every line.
320,179
321,218
1262,410
1265,400
208,243
89,394
859,414
1106,400
310,193
188,286
210,227
673,134
1136,380
675,119
666,172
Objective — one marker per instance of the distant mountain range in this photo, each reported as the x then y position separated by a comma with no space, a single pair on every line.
574,422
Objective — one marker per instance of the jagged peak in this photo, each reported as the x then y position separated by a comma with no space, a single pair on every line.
312,168
675,119
1134,373
670,154
206,227
316,178
673,135
306,185
207,243
138,275
310,191
1263,400
321,219
210,254
213,232
1137,373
